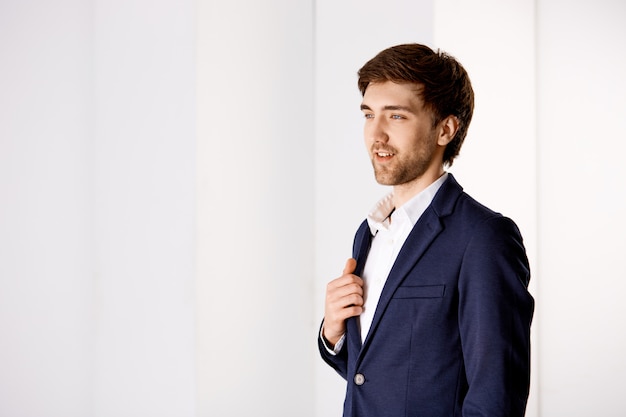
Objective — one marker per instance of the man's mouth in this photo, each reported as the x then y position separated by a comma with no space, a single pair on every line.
383,155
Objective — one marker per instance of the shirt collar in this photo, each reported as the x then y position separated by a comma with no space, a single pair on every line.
378,217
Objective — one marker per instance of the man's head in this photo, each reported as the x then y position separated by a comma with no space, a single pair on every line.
444,84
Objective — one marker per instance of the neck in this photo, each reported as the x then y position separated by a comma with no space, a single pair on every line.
404,192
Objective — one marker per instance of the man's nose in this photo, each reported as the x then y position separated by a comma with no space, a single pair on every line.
377,131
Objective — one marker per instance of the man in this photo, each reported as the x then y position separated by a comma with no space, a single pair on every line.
432,315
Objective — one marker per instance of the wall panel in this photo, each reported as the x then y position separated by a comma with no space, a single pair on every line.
145,148
46,218
255,335
582,201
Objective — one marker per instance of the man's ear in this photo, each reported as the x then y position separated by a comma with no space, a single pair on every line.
447,130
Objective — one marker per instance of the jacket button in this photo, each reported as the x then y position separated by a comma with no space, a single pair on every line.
359,379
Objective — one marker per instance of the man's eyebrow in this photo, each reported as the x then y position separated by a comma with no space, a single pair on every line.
390,107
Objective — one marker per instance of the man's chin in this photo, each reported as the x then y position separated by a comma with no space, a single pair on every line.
384,179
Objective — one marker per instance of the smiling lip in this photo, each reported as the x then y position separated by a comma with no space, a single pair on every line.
381,155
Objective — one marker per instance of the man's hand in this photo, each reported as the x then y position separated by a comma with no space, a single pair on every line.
344,299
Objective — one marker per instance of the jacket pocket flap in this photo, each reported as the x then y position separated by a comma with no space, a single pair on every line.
421,291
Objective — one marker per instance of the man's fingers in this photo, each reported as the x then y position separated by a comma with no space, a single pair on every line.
350,266
343,285
344,299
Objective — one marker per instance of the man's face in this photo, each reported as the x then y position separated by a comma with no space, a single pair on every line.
399,133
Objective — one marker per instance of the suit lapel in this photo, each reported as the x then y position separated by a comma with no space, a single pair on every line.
424,232
360,250
420,238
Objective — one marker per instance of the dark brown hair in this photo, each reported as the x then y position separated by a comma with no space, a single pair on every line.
446,87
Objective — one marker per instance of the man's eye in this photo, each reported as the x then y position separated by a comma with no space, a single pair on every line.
397,116
368,116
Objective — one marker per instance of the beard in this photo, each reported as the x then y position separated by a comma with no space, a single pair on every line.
404,167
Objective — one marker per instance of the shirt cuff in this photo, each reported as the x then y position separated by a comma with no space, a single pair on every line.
333,351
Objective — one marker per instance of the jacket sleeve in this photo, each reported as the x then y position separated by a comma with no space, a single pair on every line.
339,361
495,313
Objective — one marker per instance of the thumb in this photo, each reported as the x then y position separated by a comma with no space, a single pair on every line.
350,266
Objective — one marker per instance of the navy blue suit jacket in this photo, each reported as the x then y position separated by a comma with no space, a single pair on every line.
451,332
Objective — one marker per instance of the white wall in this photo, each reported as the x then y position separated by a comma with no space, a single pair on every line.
97,185
582,201
145,152
255,330
46,222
